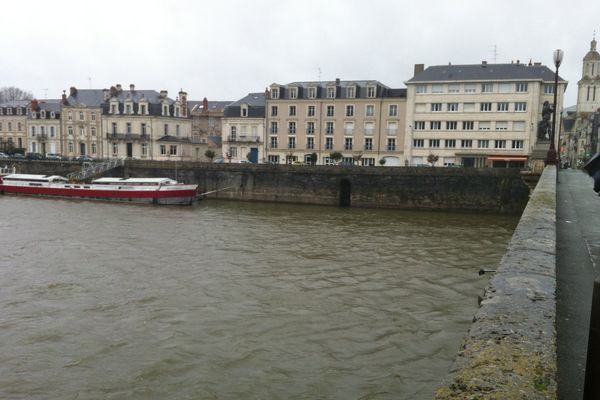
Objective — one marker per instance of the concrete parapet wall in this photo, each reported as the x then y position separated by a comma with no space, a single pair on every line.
510,350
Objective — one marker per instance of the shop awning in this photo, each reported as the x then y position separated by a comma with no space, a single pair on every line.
506,158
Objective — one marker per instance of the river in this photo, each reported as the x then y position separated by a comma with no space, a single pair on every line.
227,300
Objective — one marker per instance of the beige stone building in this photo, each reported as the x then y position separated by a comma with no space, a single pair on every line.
207,118
81,123
362,120
13,128
244,129
477,115
43,127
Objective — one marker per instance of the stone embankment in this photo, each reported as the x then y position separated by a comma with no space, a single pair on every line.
510,350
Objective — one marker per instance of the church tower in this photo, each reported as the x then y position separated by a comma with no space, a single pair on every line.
588,92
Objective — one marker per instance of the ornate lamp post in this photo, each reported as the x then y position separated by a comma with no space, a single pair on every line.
551,155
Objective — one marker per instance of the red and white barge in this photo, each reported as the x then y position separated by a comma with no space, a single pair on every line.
144,190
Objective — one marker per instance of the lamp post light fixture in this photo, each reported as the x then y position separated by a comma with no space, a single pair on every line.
551,158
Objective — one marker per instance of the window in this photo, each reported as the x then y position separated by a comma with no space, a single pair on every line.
350,92
173,150
370,110
437,88
144,149
310,143
292,128
244,111
367,162
371,92
233,151
450,143
70,130
273,143
143,129
434,143
466,143
501,125
115,149
312,92
421,89
499,144
19,126
293,93
436,125
436,106
483,144
93,116
274,111
393,110
33,131
177,131
519,126
310,128
452,106
311,111
69,115
52,133
520,106
517,144
467,125
522,87
127,108
391,144
329,128
418,143
331,92
451,125
232,132
329,143
349,111
143,109
419,125
469,107
274,127
94,148
166,128
92,130
349,128
368,143
502,107
392,129
330,111
165,110
470,88
71,147
291,142
369,128
128,127
548,88
348,143
453,88
485,125
504,88
292,111
485,107
273,159
487,87
275,93
42,130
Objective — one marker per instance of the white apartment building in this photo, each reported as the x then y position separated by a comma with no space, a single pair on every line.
483,115
244,129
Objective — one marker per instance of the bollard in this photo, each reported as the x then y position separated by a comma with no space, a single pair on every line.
591,389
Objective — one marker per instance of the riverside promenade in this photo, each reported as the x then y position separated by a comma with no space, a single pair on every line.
577,256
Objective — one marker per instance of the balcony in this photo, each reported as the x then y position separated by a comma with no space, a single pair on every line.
127,136
243,139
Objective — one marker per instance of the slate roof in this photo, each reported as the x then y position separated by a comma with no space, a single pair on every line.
360,85
87,98
214,106
485,72
173,139
256,106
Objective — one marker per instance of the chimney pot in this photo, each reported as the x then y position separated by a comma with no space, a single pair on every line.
132,87
419,68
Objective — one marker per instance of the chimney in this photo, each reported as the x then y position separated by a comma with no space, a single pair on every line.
337,81
132,87
119,88
419,68
105,94
34,105
73,91
184,105
163,94
204,105
64,98
484,64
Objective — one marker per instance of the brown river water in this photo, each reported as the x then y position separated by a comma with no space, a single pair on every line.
227,300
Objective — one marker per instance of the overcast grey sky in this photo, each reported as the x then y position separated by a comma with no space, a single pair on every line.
223,50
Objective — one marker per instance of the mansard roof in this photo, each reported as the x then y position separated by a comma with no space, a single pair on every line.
86,98
485,72
213,106
254,101
321,86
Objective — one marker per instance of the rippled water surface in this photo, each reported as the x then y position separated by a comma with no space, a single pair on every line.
231,300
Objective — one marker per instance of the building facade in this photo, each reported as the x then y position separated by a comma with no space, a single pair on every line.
478,115
207,120
362,120
81,123
243,129
43,127
13,128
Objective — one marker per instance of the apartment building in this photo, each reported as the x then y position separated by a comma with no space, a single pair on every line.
477,115
207,118
244,129
43,126
362,120
81,123
13,131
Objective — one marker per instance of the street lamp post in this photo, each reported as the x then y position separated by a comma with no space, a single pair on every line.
551,158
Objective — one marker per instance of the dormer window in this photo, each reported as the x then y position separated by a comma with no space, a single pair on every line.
33,115
9,111
143,109
331,92
293,93
43,114
275,93
19,110
128,109
177,111
351,92
28,111
312,92
53,115
114,107
244,111
165,110
371,92
81,116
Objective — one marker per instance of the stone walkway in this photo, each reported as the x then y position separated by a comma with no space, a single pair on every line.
578,255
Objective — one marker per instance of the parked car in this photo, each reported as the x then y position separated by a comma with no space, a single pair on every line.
219,160
34,156
18,156
245,162
84,158
54,157
3,156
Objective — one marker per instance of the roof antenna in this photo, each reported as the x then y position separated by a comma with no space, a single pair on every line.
319,69
495,52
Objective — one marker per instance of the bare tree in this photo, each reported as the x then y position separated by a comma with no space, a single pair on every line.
11,93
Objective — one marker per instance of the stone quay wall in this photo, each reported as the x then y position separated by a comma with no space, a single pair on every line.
510,350
445,189
503,191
